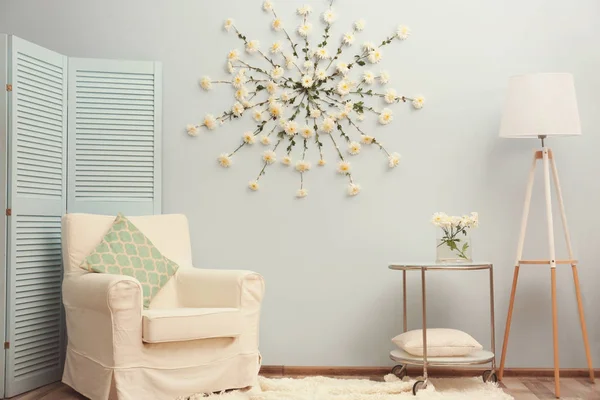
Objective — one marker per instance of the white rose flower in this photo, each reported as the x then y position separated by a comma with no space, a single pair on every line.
307,132
275,109
228,24
307,81
329,16
285,96
303,166
291,128
368,77
267,5
353,189
322,53
304,10
192,130
265,140
253,185
348,38
257,115
209,122
230,67
249,138
321,163
390,96
277,24
342,68
271,87
328,125
239,80
321,75
343,88
269,157
286,160
275,47
233,55
438,218
384,77
304,29
315,113
241,93
253,46
403,32
354,148
225,160
205,83
368,46
418,102
343,167
301,193
366,139
393,160
375,56
237,109
277,72
474,219
386,116
360,25
289,62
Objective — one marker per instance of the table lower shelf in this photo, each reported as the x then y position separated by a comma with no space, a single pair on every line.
474,358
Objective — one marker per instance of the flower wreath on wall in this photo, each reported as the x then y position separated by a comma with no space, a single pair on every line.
305,94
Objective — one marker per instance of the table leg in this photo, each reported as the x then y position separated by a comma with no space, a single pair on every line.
493,327
424,305
404,317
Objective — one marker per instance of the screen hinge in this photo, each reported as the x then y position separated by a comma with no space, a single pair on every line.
9,87
6,345
8,212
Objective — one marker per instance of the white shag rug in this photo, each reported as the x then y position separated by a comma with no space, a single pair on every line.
322,388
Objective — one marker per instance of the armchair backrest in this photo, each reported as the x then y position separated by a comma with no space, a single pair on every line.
81,233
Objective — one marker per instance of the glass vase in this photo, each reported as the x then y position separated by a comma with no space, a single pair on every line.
453,245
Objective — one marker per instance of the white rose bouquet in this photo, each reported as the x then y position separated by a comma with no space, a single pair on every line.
454,241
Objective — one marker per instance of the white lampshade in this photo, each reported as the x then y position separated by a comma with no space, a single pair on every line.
540,104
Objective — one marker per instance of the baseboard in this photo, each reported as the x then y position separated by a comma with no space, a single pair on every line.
285,370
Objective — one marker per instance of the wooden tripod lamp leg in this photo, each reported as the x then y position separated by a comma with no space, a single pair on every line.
548,194
573,268
523,231
508,321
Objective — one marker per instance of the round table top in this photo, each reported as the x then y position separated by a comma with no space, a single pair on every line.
467,266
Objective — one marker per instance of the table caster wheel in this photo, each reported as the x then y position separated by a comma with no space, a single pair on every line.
418,386
489,376
399,371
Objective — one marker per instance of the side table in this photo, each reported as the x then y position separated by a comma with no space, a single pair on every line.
474,358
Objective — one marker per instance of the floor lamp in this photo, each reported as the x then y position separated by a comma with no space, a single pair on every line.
543,106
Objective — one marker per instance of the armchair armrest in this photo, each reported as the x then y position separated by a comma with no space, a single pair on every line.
219,288
104,293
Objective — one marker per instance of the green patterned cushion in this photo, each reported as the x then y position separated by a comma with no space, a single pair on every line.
125,250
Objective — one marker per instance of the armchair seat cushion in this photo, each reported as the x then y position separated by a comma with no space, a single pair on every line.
181,324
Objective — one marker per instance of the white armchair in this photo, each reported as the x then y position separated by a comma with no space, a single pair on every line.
200,333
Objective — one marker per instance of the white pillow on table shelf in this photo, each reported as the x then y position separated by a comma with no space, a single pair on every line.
441,342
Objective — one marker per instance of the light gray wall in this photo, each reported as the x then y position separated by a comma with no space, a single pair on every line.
330,298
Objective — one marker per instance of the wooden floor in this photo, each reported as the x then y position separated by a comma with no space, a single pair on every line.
520,388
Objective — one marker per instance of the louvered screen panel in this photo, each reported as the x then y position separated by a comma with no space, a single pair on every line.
37,198
114,137
38,272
